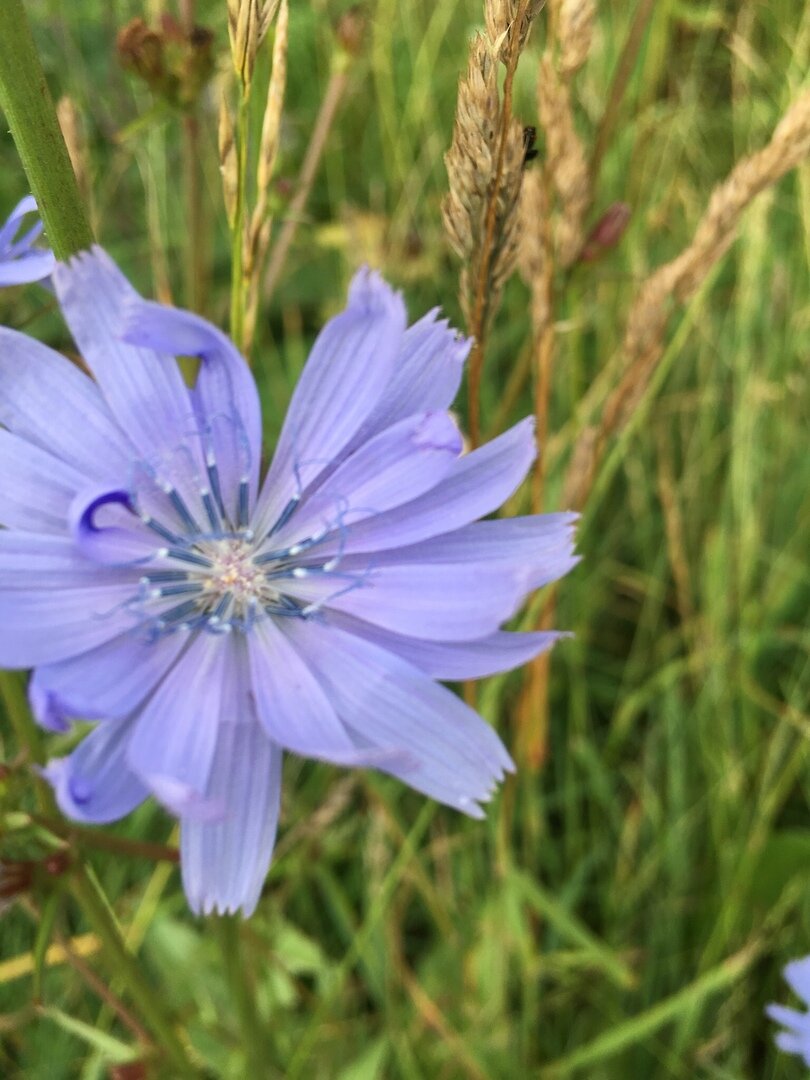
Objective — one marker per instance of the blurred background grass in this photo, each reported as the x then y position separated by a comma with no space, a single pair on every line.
624,911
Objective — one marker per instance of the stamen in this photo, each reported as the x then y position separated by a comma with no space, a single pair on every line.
177,614
290,552
180,507
213,479
161,530
243,512
284,606
211,511
164,575
285,514
185,556
190,588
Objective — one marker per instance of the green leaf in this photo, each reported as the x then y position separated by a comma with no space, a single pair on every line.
44,931
112,1049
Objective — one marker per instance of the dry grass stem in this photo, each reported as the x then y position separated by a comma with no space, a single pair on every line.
566,162
70,122
317,144
679,279
534,257
260,225
228,162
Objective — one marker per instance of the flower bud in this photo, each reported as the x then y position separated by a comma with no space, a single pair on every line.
606,233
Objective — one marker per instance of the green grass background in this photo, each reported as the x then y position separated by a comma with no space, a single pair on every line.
625,912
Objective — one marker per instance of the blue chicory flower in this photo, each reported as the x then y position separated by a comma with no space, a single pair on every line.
210,620
796,1039
20,261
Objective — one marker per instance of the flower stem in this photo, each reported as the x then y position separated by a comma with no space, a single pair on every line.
228,931
29,111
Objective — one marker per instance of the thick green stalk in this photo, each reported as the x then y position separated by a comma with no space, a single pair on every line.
26,102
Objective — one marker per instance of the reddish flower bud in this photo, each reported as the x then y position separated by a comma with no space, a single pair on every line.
350,30
606,233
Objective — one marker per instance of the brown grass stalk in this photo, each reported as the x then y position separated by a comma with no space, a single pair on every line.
332,98
259,227
679,279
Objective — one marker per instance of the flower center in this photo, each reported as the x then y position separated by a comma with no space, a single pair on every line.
233,571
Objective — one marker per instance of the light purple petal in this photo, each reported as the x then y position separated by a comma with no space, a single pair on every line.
29,267
173,745
397,465
225,391
35,561
224,862
790,1018
794,1044
426,376
106,683
478,483
37,488
26,205
42,625
291,705
94,784
143,389
797,975
455,660
19,262
438,603
348,369
539,549
454,756
32,379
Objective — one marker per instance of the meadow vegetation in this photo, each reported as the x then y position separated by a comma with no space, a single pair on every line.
627,906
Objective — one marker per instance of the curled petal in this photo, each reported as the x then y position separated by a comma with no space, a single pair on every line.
106,530
94,784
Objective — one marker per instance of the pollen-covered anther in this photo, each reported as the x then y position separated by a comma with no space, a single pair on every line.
234,572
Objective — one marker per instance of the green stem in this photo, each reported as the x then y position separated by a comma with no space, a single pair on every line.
26,102
227,929
125,964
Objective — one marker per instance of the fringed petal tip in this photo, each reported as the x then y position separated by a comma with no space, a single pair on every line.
371,295
90,259
224,902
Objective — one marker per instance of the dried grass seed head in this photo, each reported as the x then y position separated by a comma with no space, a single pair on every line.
575,34
501,18
565,159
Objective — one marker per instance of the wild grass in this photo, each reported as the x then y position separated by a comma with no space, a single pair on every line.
625,910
